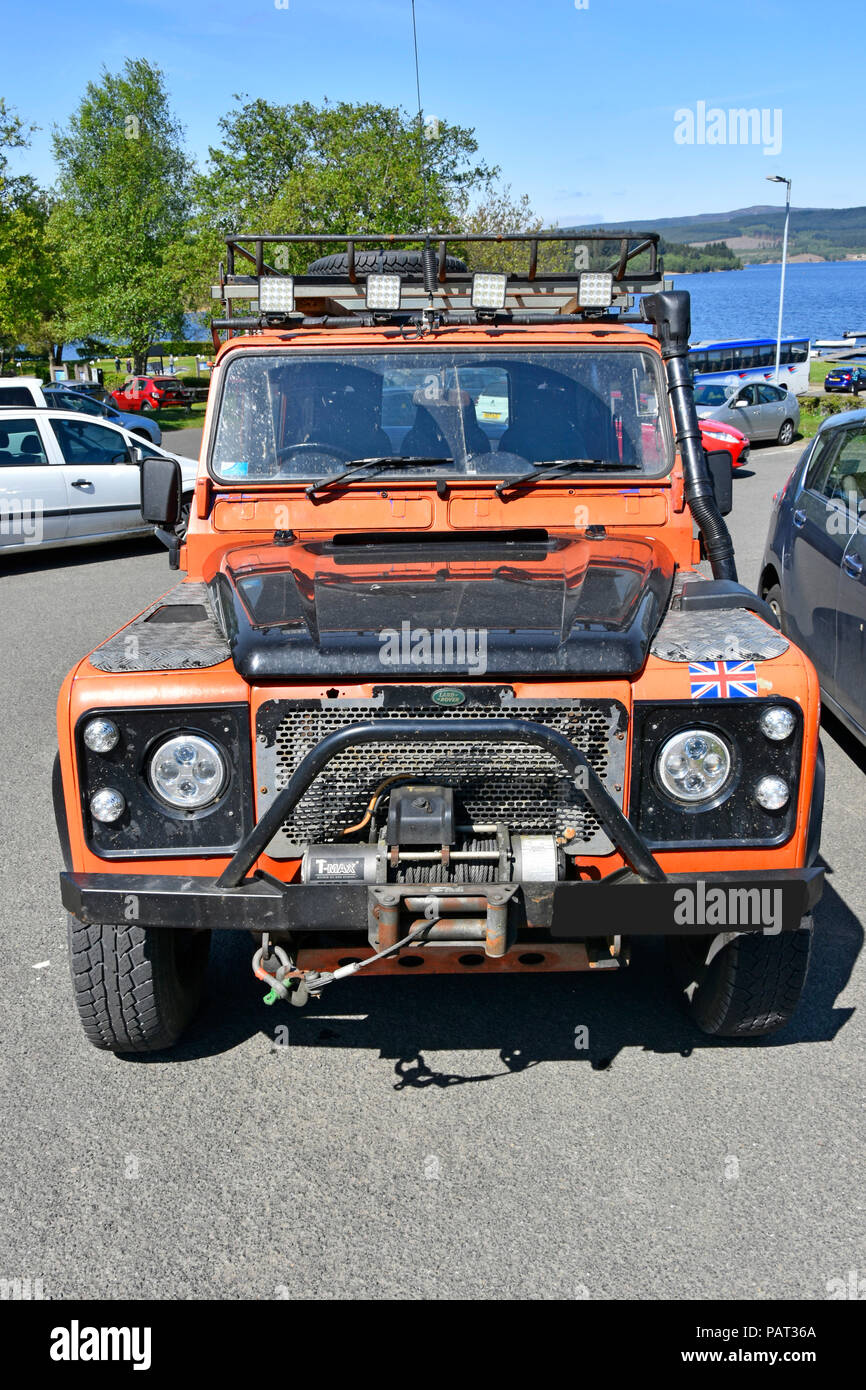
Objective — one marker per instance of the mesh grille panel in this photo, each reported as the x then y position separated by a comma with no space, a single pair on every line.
493,780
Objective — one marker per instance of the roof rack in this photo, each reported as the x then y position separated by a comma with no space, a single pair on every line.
340,295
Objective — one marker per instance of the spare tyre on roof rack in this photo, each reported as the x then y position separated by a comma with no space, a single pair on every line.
405,263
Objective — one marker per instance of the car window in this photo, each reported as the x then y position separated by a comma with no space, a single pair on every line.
16,395
711,395
82,441
821,463
769,395
68,400
20,444
749,394
292,416
398,408
846,480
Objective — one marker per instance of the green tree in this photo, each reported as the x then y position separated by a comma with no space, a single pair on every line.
29,279
341,167
497,213
121,226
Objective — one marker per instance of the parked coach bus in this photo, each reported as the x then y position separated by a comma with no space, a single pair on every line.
752,359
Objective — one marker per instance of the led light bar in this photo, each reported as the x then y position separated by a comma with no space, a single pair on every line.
276,294
383,292
595,290
488,291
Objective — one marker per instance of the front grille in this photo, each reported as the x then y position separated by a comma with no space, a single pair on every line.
493,780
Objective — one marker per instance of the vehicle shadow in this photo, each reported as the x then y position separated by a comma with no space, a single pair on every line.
525,1019
39,561
848,742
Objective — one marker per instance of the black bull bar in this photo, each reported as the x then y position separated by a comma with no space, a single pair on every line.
647,901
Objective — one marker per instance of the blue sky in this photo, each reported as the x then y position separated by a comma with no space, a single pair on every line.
577,105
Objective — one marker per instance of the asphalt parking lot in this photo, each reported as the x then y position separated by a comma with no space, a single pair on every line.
437,1137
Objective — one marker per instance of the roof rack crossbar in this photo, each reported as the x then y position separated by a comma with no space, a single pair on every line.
548,292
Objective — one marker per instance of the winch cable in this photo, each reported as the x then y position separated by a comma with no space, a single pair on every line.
311,979
316,984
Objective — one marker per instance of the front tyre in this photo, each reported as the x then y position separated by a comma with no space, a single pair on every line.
773,597
181,526
136,988
751,986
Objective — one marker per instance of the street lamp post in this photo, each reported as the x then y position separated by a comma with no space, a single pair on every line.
777,178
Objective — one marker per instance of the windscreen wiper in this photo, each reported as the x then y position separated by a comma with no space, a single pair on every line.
358,466
540,470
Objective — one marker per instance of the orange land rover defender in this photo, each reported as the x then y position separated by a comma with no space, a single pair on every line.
460,676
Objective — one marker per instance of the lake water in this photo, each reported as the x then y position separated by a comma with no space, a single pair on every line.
822,300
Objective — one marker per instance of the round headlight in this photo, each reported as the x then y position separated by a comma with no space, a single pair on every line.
101,735
694,765
187,771
777,722
107,805
772,793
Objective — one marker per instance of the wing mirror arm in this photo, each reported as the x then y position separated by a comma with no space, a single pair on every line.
172,545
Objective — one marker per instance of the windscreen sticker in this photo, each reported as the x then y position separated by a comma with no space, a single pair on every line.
723,680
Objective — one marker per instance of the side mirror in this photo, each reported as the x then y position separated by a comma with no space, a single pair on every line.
136,454
161,490
720,469
740,401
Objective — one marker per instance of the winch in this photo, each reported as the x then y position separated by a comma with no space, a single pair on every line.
422,842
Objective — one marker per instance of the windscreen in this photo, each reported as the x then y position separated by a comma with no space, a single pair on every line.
711,395
293,416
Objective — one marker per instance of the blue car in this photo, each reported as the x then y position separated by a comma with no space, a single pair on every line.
814,568
851,379
89,403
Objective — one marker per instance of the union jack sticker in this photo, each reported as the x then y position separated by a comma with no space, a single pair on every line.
723,680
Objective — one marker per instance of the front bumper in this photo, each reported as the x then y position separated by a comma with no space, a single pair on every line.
769,901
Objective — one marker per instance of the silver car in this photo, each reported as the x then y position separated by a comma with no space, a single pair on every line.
759,409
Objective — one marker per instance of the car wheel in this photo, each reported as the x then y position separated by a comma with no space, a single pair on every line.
182,524
786,433
136,988
749,988
773,597
146,405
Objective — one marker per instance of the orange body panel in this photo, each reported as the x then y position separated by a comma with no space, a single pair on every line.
232,517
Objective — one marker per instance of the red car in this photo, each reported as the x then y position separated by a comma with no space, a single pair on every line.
716,437
151,393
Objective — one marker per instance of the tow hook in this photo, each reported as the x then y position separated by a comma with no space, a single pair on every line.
286,982
278,990
299,986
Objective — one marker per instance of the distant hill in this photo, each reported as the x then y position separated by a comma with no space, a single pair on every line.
755,234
